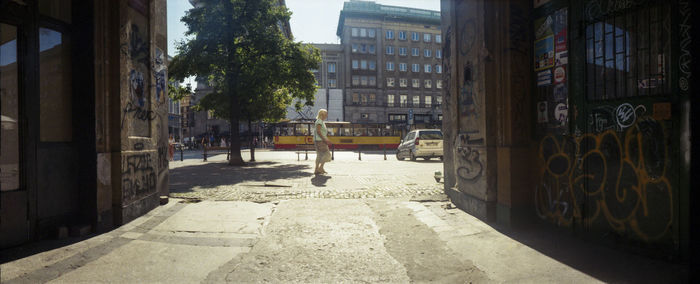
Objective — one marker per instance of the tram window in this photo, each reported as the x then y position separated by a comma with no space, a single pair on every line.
347,132
373,132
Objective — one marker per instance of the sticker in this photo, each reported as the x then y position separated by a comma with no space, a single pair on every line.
561,58
544,78
561,113
559,75
542,112
543,27
560,92
662,111
560,29
544,53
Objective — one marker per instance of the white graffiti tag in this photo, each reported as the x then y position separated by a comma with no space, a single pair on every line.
626,114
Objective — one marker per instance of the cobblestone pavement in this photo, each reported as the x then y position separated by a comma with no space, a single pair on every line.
278,175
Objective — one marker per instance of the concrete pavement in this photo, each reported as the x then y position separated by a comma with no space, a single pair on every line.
399,237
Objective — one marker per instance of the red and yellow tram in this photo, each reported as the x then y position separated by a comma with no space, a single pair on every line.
343,135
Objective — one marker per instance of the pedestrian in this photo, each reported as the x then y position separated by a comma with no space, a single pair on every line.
323,154
171,147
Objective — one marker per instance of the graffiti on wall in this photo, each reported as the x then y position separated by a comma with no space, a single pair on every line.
138,176
159,72
617,118
686,58
470,168
595,9
615,179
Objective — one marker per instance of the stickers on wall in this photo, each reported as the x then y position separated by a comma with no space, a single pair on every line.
542,112
560,93
544,78
662,111
560,30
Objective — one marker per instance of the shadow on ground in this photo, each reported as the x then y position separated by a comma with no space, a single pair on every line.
611,262
214,174
319,180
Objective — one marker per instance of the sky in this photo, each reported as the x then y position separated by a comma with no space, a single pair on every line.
313,21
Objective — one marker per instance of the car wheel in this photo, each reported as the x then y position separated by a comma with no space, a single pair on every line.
413,157
398,157
426,158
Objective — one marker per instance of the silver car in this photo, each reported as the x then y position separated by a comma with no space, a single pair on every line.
421,143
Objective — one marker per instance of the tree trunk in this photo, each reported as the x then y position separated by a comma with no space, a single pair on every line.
235,159
250,142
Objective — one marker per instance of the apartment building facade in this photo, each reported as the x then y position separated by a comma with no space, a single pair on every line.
393,64
330,82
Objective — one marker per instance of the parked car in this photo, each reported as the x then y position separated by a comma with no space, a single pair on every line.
421,143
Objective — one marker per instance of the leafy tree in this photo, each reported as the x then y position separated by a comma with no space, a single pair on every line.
176,93
255,71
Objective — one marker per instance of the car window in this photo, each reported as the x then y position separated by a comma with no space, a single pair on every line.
410,136
431,135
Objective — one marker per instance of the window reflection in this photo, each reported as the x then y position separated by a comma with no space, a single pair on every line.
9,109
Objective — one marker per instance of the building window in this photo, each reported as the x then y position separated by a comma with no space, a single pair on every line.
439,117
363,99
365,116
415,83
372,98
627,55
403,82
371,33
363,80
372,81
426,52
403,67
331,67
438,38
402,35
389,34
372,65
363,48
390,66
403,51
363,32
428,101
415,51
355,64
415,36
397,117
355,98
389,82
355,32
389,49
427,37
438,68
438,53
415,67
428,83
390,100
355,47
363,64
332,83
427,68
403,99
438,84
371,49
355,80
416,101
438,101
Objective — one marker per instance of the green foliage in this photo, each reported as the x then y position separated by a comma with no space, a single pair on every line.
238,46
176,93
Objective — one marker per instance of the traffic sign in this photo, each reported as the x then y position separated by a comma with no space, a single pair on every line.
410,116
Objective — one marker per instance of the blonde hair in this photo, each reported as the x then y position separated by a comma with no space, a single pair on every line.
320,111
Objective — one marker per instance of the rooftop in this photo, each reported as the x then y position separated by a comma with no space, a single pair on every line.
373,10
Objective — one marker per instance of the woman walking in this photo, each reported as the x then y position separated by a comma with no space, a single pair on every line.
323,154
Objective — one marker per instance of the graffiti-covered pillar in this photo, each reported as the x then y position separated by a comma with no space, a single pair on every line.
137,143
486,118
